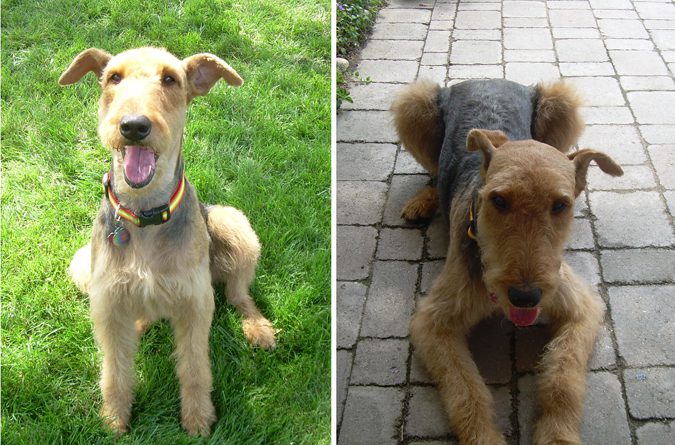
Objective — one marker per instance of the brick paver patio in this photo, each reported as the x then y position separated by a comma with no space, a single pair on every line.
621,56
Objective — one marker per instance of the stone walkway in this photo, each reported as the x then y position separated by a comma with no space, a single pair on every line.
621,56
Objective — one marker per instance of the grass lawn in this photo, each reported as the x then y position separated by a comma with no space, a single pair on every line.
263,148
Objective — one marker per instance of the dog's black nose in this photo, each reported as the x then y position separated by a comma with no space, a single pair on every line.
135,127
524,296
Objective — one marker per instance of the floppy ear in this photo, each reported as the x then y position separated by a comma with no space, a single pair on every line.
204,70
92,59
486,141
583,158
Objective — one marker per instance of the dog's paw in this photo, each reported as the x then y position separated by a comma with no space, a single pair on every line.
197,422
115,423
419,208
259,332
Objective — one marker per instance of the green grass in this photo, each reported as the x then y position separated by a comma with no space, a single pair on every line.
263,148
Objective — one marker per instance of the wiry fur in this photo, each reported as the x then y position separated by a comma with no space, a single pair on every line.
557,121
167,270
520,245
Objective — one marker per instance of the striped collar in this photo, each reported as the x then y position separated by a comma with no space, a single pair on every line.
157,215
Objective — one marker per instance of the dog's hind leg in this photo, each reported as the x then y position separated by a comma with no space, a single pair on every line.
235,250
562,382
417,119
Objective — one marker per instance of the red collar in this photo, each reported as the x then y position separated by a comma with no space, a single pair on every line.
157,215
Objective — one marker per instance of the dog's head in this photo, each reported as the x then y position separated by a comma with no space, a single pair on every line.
144,99
525,212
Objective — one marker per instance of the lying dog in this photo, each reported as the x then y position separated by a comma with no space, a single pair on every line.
496,149
155,250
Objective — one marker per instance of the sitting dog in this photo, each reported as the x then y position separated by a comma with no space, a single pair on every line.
497,149
155,250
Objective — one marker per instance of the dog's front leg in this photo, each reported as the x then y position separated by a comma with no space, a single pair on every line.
562,382
115,333
442,345
191,326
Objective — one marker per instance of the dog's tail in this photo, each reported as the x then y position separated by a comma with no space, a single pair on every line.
417,118
557,120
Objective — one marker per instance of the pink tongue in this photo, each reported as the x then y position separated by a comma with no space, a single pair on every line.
139,163
523,316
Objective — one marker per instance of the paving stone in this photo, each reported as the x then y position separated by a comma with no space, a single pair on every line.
478,20
401,71
365,126
607,115
580,207
658,134
426,414
629,44
479,6
613,4
634,177
621,142
489,344
638,265
407,4
403,187
355,249
443,12
585,265
598,91
653,433
434,73
656,11
530,343
599,426
663,157
650,392
603,355
643,318
525,22
365,161
441,25
360,202
350,298
524,9
575,33
638,63
390,300
465,52
399,15
529,55
659,24
437,237
571,4
531,73
418,373
586,69
399,31
344,366
581,50
371,96
653,107
370,416
623,217
664,39
632,83
519,38
400,244
430,271
434,59
437,41
624,29
393,49
670,201
615,14
407,165
582,235
475,72
668,56
380,362
571,18
476,34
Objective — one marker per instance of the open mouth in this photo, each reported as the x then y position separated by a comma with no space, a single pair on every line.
523,316
139,165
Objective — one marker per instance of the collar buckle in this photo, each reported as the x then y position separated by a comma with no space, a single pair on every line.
155,216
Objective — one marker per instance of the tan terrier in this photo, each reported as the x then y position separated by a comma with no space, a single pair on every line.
155,250
497,149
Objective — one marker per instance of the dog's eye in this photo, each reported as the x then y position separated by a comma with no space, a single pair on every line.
558,206
115,78
500,203
168,80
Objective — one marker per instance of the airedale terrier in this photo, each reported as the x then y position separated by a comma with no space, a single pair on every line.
497,149
155,250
